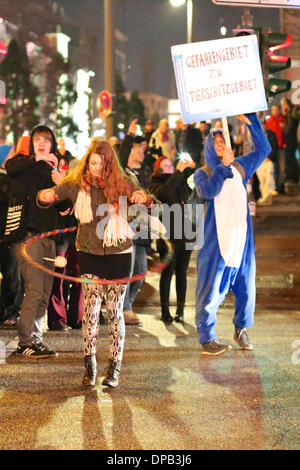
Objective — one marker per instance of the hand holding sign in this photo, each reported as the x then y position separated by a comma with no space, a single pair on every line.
228,157
244,119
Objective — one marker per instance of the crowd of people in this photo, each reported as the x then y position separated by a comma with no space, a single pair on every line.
39,193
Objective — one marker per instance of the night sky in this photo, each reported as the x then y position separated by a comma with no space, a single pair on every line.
153,26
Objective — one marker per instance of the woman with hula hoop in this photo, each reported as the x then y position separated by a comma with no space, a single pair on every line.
104,247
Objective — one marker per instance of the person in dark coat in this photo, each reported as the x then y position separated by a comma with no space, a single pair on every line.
12,289
66,306
189,140
170,187
148,130
291,115
132,156
31,174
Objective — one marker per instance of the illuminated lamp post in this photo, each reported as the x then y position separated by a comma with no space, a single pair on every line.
189,15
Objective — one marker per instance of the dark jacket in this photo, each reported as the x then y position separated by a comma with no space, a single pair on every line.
291,121
273,142
31,177
142,174
173,189
190,141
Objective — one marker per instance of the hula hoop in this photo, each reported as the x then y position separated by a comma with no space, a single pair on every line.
137,277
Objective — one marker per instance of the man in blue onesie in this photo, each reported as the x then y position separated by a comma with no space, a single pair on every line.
227,259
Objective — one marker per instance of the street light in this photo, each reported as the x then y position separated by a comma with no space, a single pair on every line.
223,30
189,15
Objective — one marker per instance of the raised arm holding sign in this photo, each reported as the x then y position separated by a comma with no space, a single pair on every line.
216,79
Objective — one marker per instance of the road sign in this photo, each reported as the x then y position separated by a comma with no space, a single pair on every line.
219,78
104,104
260,3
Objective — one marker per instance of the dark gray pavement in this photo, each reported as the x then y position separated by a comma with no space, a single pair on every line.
169,396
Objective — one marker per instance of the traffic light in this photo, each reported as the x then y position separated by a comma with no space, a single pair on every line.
243,31
272,62
246,31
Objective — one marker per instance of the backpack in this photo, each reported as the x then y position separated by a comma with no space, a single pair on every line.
12,211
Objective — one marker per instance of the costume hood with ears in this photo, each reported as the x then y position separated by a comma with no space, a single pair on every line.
210,155
43,129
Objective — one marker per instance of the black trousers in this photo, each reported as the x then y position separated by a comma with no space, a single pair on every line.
178,264
291,164
12,287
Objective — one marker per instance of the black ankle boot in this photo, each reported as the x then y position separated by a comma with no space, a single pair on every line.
90,364
166,316
112,373
179,315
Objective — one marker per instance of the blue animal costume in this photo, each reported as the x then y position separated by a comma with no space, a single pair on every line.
227,259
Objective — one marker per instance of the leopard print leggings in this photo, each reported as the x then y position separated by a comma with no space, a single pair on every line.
115,294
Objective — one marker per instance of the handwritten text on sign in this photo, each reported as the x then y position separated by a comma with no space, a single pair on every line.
219,78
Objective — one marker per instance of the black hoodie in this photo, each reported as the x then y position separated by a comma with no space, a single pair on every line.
31,177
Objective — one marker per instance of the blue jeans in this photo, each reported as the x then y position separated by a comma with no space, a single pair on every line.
138,266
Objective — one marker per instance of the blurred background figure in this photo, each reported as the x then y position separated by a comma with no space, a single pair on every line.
132,159
23,145
291,119
63,152
165,138
148,130
171,187
189,140
116,144
66,300
11,284
275,123
267,173
204,128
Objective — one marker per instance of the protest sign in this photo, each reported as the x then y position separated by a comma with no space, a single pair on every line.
219,78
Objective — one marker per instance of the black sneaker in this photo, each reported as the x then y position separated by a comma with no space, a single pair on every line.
30,351
43,350
241,338
214,348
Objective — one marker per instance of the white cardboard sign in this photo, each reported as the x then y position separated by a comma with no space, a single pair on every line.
261,3
219,78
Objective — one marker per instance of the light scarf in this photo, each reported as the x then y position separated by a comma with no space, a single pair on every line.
117,230
83,205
